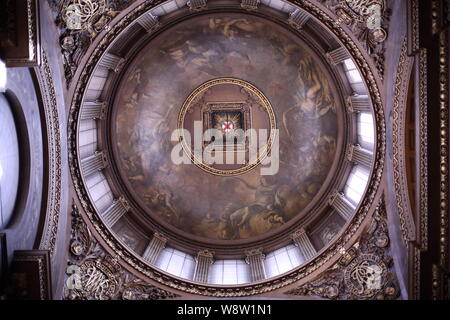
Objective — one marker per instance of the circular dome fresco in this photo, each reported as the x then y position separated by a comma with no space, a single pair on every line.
217,137
177,81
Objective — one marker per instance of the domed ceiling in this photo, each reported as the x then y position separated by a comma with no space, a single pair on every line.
253,51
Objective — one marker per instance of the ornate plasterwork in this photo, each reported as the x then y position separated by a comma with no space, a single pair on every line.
81,21
365,271
95,275
31,57
444,145
47,85
398,136
368,19
423,152
345,240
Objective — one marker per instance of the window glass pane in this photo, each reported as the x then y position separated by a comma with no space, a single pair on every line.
349,65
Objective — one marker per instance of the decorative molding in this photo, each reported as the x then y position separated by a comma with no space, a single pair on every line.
369,21
436,16
423,149
22,46
80,22
364,272
250,5
197,5
347,236
444,145
92,274
407,224
45,79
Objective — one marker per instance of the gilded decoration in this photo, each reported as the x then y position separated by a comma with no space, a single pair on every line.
80,22
329,254
368,19
364,272
231,52
92,274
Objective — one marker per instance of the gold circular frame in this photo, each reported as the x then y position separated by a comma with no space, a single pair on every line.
262,152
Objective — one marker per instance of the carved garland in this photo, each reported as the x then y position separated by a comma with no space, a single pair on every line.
46,83
144,269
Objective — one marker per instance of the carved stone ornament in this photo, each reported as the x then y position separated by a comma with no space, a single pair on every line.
81,21
93,274
364,272
140,267
368,20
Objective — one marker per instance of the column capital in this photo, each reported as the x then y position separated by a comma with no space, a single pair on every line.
197,5
350,150
333,196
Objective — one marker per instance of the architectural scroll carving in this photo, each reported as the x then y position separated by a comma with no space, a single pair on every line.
364,272
398,110
95,275
353,227
368,19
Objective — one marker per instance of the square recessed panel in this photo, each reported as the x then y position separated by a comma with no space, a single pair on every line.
228,123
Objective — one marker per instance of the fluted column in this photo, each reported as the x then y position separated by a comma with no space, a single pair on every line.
118,208
149,22
203,260
93,110
298,18
303,243
112,62
341,205
359,155
338,55
93,163
154,248
255,258
250,5
358,103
